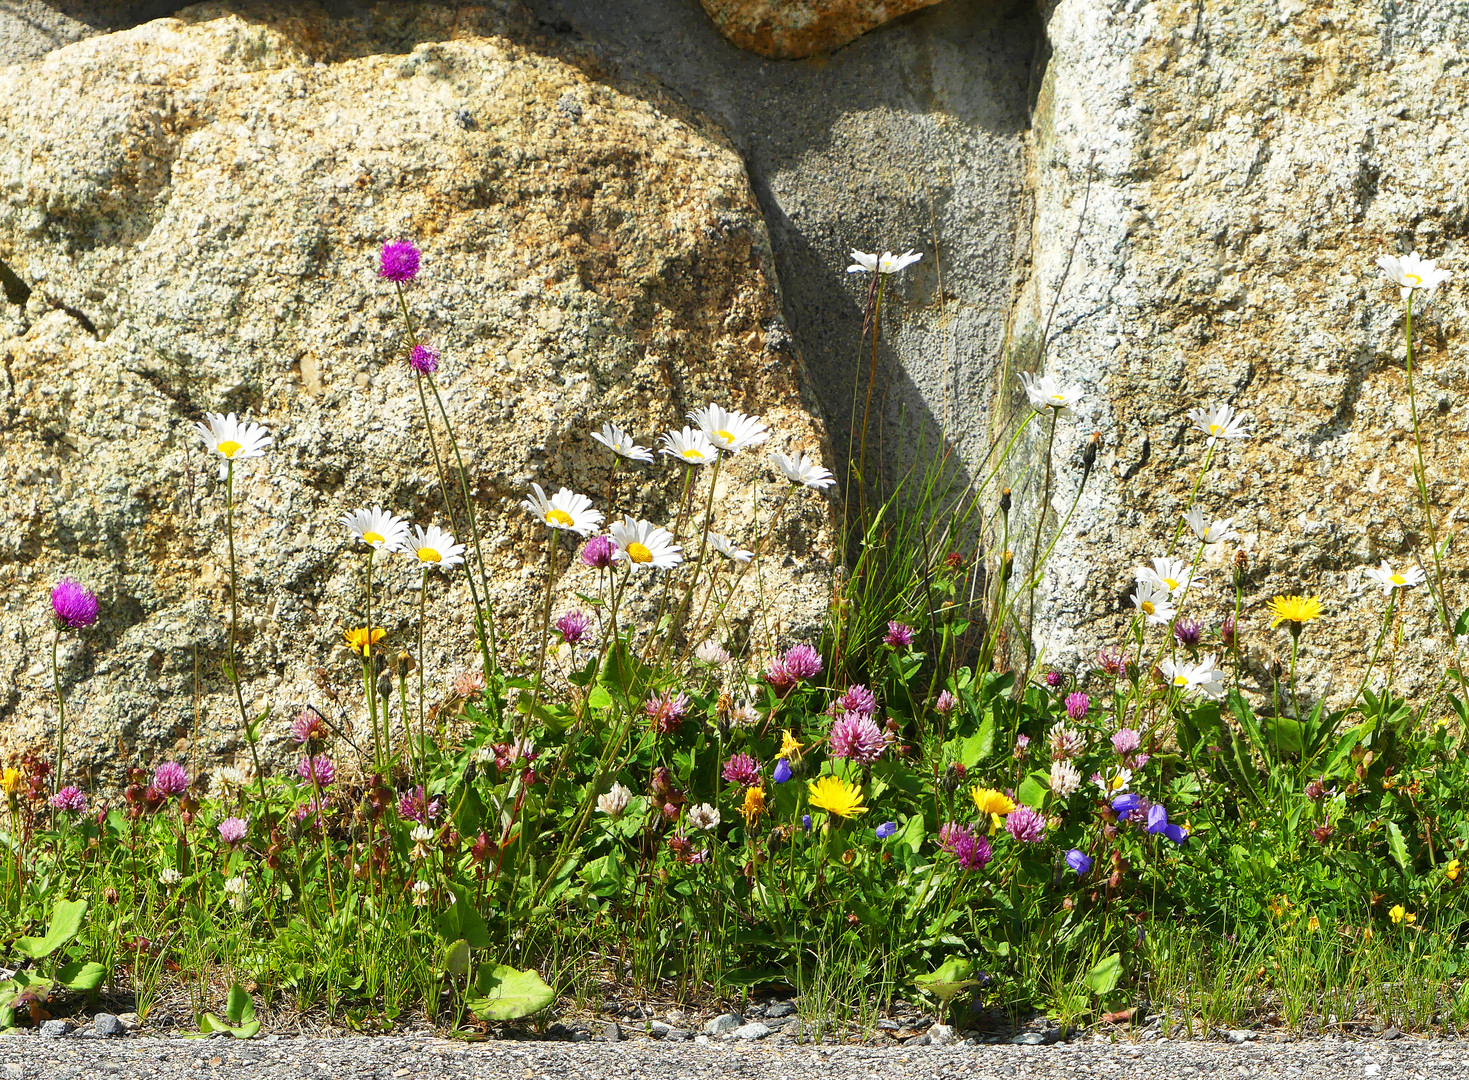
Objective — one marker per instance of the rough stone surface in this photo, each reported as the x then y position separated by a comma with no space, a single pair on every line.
197,217
1251,162
791,29
108,1026
751,1031
722,1024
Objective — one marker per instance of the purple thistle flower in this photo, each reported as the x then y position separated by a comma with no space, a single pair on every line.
857,736
399,261
70,798
742,769
803,661
667,710
970,851
74,606
598,552
945,703
424,359
899,635
857,698
1077,705
1126,804
319,768
1158,823
1188,632
573,627
232,830
171,779
415,806
1126,741
1053,680
1026,825
782,771
886,829
1079,861
308,727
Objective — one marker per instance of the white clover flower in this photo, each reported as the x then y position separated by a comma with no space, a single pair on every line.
1390,579
644,544
1204,676
1411,273
421,836
703,817
1209,532
615,801
1220,422
620,443
1152,602
802,470
485,754
228,781
168,876
712,654
376,528
1065,742
420,890
1045,392
433,547
564,510
744,715
1065,779
1165,573
886,263
690,446
728,548
231,439
730,431
237,889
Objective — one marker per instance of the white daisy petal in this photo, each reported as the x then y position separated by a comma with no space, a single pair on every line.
644,545
1153,603
802,470
728,548
1220,422
690,446
376,528
1411,274
564,510
729,431
1391,579
620,443
1209,532
1170,575
1045,392
433,547
232,439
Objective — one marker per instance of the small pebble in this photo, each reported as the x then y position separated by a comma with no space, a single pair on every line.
107,1026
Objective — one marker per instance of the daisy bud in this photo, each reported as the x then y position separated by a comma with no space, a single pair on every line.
1007,564
1089,452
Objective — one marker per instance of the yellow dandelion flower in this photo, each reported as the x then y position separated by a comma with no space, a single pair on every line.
10,781
1296,610
1452,870
754,804
790,747
836,796
359,640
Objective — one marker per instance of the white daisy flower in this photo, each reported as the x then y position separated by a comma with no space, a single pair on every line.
703,816
1113,781
1210,532
620,443
615,801
1171,575
1204,676
886,263
1220,422
231,439
802,470
433,547
1065,779
1153,602
1410,273
1390,579
1045,392
728,548
730,430
689,446
644,544
376,528
564,510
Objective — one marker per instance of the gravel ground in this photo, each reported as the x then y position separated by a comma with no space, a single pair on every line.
27,1057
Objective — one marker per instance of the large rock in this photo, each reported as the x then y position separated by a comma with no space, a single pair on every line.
791,29
1251,162
195,206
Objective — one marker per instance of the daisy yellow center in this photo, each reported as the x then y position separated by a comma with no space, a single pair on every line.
229,448
639,553
1058,397
693,455
1148,608
558,517
724,436
1216,429
1172,583
428,554
1180,680
1413,279
1116,783
1398,579
372,538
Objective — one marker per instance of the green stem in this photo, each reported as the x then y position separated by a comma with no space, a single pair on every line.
60,709
368,688
422,723
229,529
535,697
1386,622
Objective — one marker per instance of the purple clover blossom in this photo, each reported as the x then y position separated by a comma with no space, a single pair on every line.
1026,825
171,779
857,736
399,261
1079,861
945,704
415,806
1022,747
424,359
311,806
70,798
1126,742
319,769
782,771
780,678
666,710
970,851
232,830
75,607
598,552
886,829
1188,632
1053,680
308,727
1158,823
573,627
1126,804
858,699
803,661
742,769
1077,705
899,635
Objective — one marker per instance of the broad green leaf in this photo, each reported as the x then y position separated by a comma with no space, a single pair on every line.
66,922
81,976
1461,624
1105,975
603,876
238,1007
1397,845
953,975
1033,791
599,698
456,958
503,993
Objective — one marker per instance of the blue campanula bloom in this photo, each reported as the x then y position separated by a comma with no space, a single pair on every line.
886,829
1079,861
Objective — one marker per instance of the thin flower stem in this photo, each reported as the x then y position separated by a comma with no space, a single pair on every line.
867,405
422,739
234,671
687,601
535,697
60,711
1381,634
1033,570
368,688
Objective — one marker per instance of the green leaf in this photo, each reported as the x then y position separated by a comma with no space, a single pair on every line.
239,1019
953,975
599,698
1461,625
1033,791
456,958
1397,845
81,976
1105,975
603,876
238,1007
503,993
66,922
